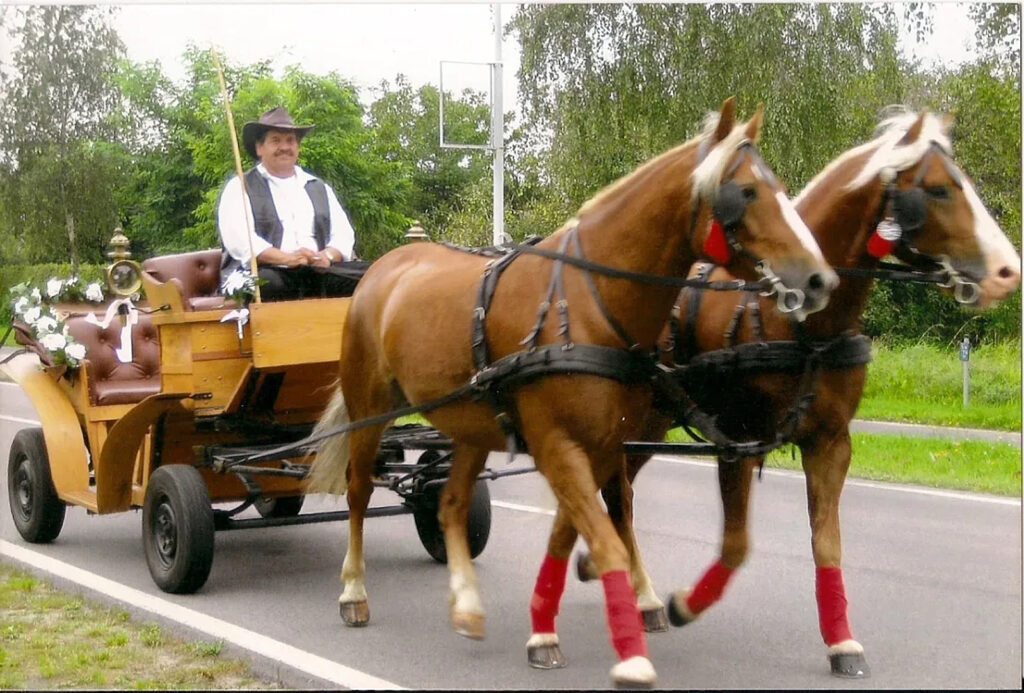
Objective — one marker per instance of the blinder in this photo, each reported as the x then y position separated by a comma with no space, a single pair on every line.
728,211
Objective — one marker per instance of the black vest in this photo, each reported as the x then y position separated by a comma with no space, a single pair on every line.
268,224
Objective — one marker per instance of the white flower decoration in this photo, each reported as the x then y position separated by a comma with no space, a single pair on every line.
32,314
53,342
36,296
45,325
21,305
53,288
94,293
75,351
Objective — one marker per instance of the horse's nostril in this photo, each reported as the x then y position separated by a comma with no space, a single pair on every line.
815,282
1006,273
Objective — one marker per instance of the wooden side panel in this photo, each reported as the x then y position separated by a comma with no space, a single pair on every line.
287,333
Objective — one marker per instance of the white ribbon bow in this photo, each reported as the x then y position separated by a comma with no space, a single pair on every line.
241,316
123,352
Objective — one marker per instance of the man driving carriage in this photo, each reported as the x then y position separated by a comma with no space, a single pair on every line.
299,232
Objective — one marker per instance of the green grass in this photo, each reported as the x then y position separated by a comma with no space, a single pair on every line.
961,465
975,466
50,640
924,384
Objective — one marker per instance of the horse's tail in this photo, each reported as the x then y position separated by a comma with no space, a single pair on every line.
328,472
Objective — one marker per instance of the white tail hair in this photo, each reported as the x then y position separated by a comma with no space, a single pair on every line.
328,472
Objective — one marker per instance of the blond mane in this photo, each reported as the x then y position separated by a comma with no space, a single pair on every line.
889,156
706,177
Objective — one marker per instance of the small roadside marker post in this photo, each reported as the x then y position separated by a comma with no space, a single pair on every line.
965,358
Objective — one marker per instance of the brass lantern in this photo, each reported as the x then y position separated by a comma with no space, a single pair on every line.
124,276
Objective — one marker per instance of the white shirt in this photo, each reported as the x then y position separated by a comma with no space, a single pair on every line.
294,209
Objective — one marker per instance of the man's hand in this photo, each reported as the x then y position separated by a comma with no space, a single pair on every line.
297,259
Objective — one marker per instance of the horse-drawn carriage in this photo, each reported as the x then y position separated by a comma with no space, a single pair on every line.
169,425
467,340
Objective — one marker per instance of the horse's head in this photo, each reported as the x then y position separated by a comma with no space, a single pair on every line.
754,230
931,216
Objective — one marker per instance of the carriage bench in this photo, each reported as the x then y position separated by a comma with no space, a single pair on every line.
186,281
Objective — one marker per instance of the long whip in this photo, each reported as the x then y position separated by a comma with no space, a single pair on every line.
238,169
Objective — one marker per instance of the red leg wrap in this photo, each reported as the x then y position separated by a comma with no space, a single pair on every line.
832,607
624,619
547,595
710,588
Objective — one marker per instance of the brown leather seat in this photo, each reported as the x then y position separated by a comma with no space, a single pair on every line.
113,382
196,274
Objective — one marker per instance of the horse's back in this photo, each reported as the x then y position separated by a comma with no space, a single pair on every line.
414,308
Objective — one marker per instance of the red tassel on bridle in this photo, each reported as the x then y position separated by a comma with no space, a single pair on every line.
716,246
884,239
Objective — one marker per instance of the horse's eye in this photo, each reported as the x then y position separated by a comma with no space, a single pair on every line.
749,194
939,192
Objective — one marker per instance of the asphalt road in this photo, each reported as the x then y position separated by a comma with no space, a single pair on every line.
934,581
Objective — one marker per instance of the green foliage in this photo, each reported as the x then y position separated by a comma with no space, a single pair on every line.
446,185
923,383
607,87
62,160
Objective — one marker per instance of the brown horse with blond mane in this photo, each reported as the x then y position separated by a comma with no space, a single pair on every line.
407,340
900,193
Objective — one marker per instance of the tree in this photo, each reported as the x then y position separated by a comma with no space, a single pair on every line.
606,87
445,183
62,160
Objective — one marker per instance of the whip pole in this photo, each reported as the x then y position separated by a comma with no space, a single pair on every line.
238,169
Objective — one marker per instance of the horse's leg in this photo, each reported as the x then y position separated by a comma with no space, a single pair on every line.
355,609
542,649
618,497
734,483
825,466
467,611
575,483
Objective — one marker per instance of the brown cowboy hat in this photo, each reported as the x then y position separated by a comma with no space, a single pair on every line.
274,119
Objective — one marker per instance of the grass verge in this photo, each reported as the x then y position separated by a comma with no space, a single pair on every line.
50,639
923,383
958,465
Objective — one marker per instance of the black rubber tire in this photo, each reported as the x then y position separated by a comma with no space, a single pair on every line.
178,529
288,506
37,511
478,525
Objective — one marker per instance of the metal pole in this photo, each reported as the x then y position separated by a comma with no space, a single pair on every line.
965,358
498,132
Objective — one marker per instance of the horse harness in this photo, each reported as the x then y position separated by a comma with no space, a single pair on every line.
900,218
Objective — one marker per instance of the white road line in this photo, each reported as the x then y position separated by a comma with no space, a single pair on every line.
914,490
16,419
522,508
306,662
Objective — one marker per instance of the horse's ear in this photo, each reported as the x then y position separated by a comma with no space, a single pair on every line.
915,130
754,124
726,119
947,122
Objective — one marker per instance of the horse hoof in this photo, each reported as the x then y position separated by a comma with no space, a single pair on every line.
678,613
634,673
655,620
469,625
849,666
355,614
583,568
546,657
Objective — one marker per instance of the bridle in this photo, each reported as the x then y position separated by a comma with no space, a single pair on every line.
901,216
727,212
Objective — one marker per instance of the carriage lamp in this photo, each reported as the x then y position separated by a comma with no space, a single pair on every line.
416,234
124,276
